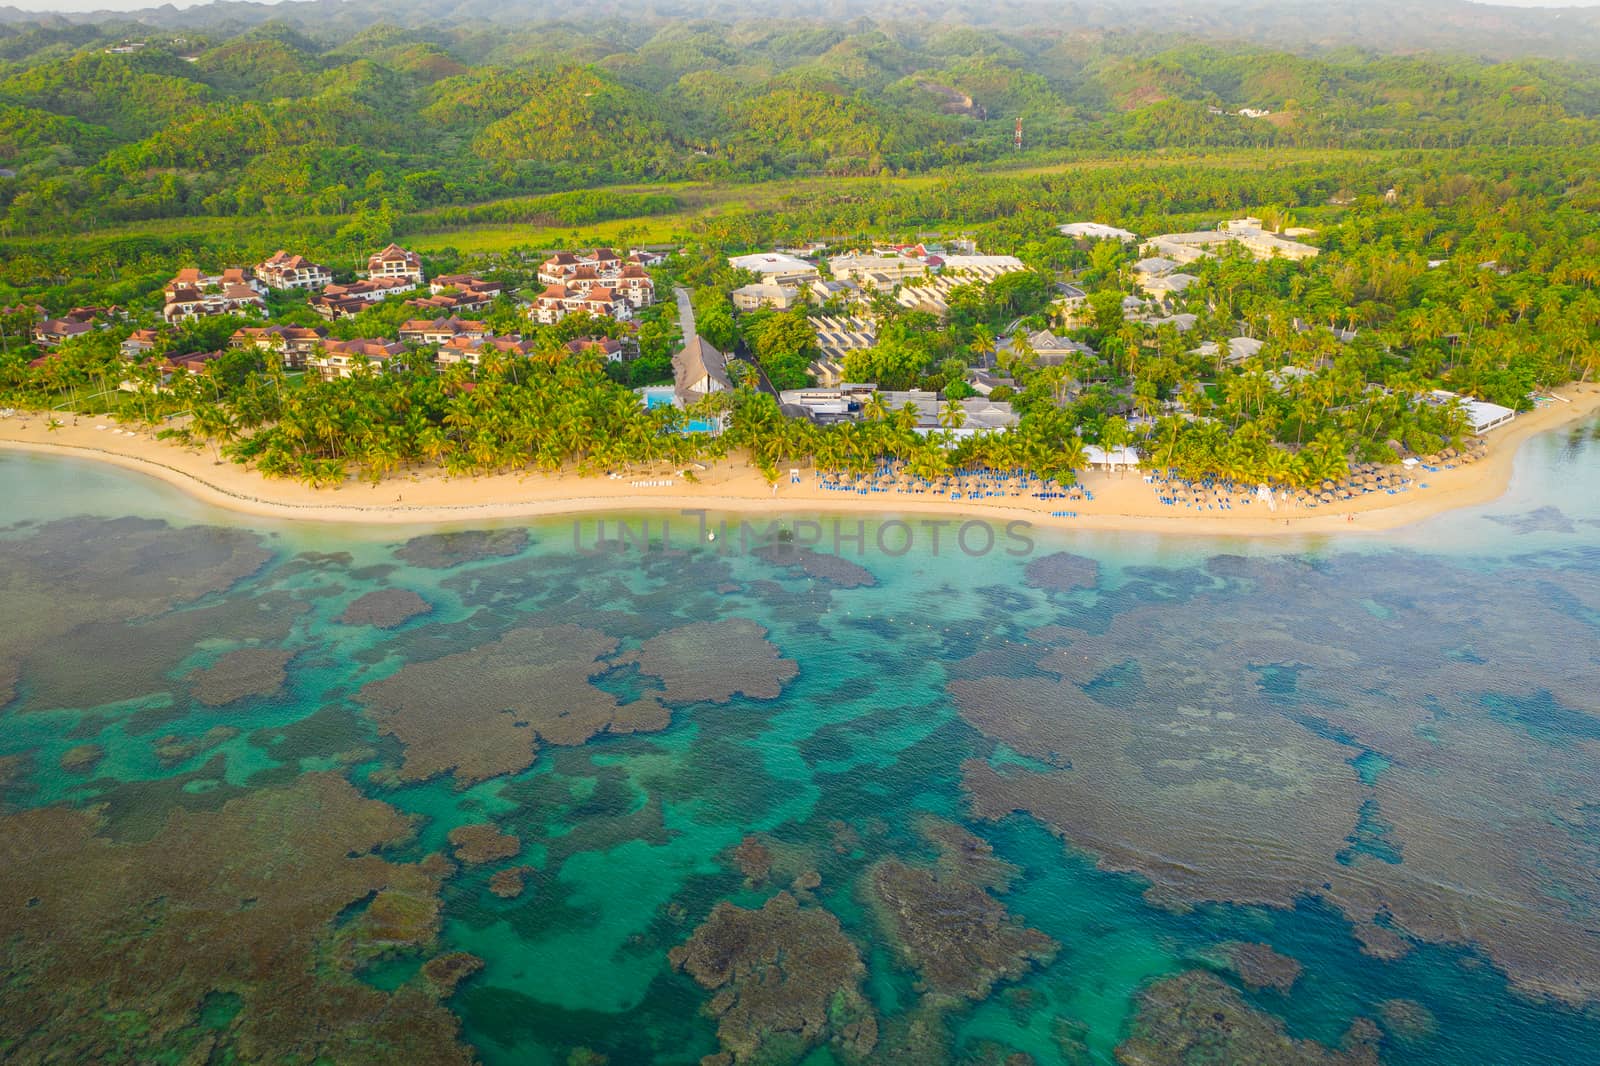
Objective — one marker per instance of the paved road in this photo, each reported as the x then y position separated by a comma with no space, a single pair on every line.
685,313
687,327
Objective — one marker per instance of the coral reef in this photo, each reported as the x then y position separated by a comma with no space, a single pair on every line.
1258,966
834,569
441,551
113,661
786,979
112,949
241,674
754,859
483,712
63,574
385,609
1062,572
1195,1018
1407,1019
1265,731
445,972
82,759
172,750
481,842
944,923
510,882
715,661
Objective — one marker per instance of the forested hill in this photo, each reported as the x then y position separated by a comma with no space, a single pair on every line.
1460,26
107,123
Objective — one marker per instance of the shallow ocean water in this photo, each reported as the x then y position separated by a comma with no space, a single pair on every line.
1379,757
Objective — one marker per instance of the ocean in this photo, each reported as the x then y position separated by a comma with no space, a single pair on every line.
684,788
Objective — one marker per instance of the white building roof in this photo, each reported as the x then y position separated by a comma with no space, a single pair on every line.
1233,350
1156,265
1486,416
1096,231
771,263
1481,414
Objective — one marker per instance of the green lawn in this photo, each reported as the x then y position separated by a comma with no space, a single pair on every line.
696,200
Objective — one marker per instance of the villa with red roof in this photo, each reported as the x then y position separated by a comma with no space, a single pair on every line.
627,279
285,271
346,301
342,359
293,344
395,262
191,295
439,330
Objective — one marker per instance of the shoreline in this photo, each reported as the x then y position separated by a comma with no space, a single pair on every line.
1123,503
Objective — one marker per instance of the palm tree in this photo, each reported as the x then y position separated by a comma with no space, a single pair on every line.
982,344
1115,435
952,415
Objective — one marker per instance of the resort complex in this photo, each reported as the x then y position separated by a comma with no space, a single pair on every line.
872,534
962,374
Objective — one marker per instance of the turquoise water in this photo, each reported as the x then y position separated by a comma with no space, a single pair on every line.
663,396
1379,757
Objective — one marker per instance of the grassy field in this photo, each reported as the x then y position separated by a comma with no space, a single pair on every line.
701,200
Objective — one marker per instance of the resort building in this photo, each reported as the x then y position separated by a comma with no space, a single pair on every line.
608,348
1234,350
832,290
189,363
600,282
559,301
1482,416
768,293
139,343
776,267
980,415
826,404
698,371
285,271
1096,231
875,271
343,359
293,344
1047,348
347,301
439,330
1163,285
452,302
191,295
578,273
466,285
473,350
170,367
987,267
1183,322
53,331
838,337
1247,233
1109,459
395,262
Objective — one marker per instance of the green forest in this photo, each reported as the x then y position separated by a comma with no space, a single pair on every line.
276,122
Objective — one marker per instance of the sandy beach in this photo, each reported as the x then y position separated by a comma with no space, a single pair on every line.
1121,502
